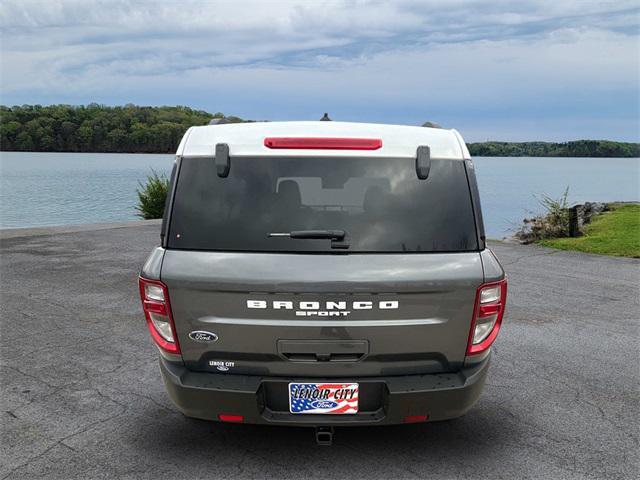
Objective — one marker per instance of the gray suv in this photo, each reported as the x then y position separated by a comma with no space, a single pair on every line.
323,274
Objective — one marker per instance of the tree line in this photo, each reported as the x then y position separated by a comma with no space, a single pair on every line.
578,148
136,129
97,128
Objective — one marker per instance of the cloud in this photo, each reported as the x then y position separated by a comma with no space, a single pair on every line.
505,63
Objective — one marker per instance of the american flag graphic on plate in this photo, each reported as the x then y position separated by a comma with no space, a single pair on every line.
332,398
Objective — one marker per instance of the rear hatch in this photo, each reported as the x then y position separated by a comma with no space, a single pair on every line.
392,294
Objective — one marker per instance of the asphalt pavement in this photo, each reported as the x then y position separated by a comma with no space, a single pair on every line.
81,393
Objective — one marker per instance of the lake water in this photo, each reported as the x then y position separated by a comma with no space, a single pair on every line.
38,189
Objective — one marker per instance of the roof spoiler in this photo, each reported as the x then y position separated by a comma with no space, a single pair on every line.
423,162
223,162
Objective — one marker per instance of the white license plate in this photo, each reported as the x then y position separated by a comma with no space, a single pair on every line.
323,398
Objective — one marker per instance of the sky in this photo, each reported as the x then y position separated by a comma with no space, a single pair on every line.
495,70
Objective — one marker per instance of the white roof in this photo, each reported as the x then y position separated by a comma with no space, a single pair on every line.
247,139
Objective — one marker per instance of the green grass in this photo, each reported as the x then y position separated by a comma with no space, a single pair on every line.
152,195
616,232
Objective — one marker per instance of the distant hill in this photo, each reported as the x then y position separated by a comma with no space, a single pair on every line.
578,148
97,128
136,129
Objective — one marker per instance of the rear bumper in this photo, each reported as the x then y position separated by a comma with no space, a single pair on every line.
384,400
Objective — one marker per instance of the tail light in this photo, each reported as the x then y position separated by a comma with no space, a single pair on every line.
487,316
157,311
323,143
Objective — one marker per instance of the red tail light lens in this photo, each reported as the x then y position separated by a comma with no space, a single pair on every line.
487,316
323,143
157,311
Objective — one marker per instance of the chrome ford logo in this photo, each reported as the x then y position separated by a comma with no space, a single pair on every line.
202,336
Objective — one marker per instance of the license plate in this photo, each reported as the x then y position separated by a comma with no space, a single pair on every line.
323,398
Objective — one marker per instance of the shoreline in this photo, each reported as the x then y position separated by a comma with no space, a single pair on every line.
8,233
173,154
125,153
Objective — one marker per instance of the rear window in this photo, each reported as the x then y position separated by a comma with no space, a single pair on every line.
380,204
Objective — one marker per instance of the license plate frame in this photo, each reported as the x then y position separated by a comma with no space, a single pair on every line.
323,398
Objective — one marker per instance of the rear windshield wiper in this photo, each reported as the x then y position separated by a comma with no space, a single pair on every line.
315,234
336,236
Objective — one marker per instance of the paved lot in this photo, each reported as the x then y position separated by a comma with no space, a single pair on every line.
82,395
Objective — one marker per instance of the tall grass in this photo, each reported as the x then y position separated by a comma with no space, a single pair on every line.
556,218
152,196
552,223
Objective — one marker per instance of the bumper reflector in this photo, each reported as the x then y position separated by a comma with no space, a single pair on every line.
416,418
230,418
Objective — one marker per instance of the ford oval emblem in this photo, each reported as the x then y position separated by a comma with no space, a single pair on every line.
202,336
324,404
